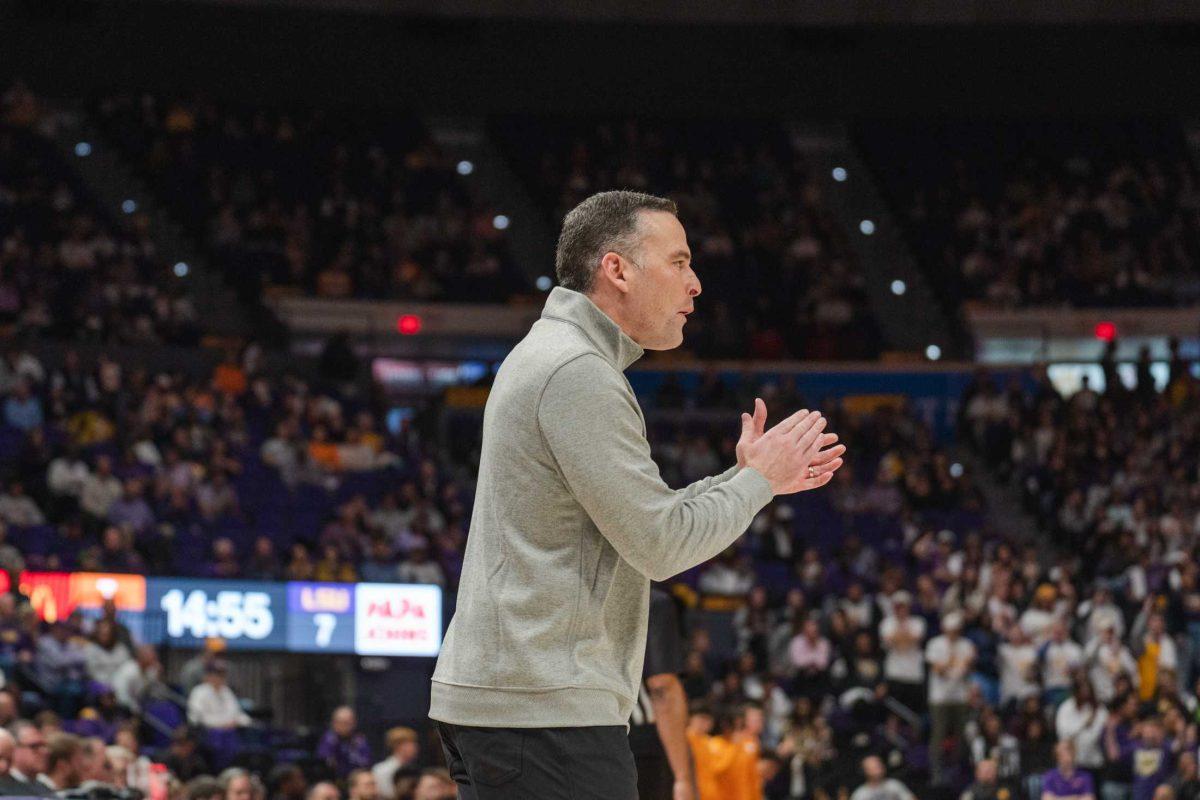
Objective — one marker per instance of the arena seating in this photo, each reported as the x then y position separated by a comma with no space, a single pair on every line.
1045,213
337,204
68,270
755,217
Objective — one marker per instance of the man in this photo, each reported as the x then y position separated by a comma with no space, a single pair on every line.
9,785
657,732
435,784
8,708
342,747
212,704
950,657
62,667
95,767
878,785
66,760
324,791
1153,759
361,786
539,670
902,635
1060,658
238,783
986,785
139,679
1065,781
28,758
404,748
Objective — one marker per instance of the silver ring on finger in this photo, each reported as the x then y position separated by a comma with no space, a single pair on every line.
812,472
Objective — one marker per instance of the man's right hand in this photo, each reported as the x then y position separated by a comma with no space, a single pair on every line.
683,790
784,454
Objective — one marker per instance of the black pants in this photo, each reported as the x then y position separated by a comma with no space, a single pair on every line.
592,763
654,778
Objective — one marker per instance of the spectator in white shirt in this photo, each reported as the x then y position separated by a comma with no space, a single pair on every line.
902,636
1018,667
139,679
1039,617
878,785
105,653
950,658
1059,657
1099,613
1081,720
404,748
66,474
18,509
1107,658
100,490
213,704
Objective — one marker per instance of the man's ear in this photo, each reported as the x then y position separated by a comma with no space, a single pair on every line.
613,271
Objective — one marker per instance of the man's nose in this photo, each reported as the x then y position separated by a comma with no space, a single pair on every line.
693,286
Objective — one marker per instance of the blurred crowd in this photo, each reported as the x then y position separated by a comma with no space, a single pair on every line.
67,270
1053,213
334,204
112,749
879,637
755,216
237,475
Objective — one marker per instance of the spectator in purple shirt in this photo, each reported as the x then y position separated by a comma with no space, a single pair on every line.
342,747
61,663
1065,782
130,510
1153,759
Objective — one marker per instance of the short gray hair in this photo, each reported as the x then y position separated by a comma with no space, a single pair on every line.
606,221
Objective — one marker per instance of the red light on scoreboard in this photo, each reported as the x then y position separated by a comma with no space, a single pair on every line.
1106,331
409,324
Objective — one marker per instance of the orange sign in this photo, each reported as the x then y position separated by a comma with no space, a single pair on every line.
54,595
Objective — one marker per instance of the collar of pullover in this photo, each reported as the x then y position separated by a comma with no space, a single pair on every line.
576,309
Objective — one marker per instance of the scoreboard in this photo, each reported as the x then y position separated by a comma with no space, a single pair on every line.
387,619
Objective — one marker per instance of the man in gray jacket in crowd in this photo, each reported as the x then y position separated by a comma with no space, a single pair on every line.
542,660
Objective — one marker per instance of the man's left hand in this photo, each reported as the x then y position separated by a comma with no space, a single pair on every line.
683,791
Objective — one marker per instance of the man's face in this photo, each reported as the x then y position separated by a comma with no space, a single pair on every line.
662,285
95,765
406,751
7,745
364,788
29,757
873,769
324,791
240,788
431,787
343,722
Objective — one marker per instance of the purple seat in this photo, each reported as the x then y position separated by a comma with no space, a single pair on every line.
164,717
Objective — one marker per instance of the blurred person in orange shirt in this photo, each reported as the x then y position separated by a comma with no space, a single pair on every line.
711,755
742,781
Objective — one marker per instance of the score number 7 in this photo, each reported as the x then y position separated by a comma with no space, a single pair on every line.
325,623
